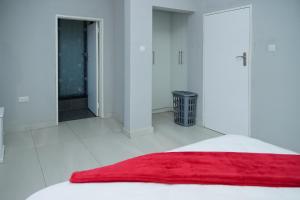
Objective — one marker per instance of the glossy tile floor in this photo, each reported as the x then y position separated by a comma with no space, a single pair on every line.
44,157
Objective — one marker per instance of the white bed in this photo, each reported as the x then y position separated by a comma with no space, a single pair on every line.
149,191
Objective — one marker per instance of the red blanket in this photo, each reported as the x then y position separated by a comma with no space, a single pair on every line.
222,168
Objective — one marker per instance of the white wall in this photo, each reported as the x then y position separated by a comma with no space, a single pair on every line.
275,93
275,112
119,58
27,56
27,60
177,5
138,66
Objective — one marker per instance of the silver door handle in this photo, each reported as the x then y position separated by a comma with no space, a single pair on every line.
153,57
244,57
180,57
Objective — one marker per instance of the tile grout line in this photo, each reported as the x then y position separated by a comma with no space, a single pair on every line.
39,160
84,145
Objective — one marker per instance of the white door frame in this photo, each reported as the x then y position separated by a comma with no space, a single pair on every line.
249,59
100,77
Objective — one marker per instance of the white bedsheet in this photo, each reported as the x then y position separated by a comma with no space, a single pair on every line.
149,191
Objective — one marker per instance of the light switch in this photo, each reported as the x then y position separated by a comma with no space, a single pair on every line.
23,99
271,47
142,48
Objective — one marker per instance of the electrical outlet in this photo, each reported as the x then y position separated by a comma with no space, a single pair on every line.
23,99
272,47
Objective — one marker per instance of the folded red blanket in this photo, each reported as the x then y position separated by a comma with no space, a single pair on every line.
221,168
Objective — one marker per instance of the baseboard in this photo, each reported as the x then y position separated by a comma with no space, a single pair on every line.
2,150
161,110
138,132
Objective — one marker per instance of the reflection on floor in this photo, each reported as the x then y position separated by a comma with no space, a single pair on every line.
39,158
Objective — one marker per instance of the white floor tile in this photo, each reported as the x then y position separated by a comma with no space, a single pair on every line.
89,128
113,124
60,160
48,156
18,140
108,150
20,174
154,143
53,135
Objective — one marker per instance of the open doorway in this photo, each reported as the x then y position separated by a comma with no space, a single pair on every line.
169,64
78,68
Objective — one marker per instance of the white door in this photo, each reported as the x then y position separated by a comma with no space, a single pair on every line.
92,67
179,52
161,91
226,71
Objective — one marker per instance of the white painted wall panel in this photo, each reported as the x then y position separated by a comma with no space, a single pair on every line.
27,57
